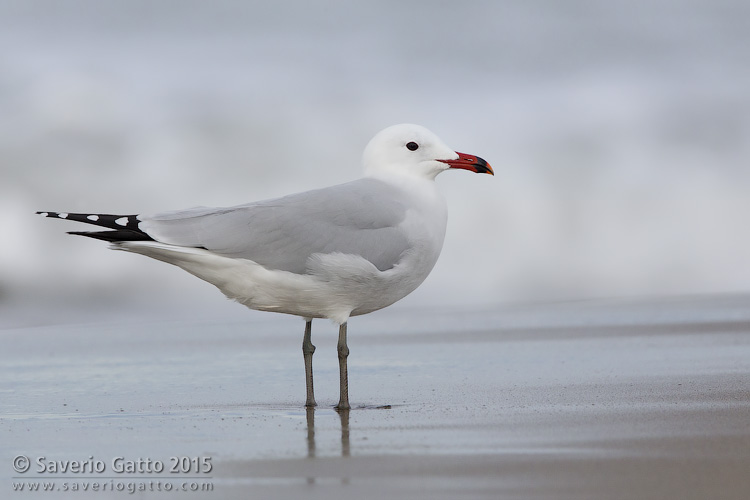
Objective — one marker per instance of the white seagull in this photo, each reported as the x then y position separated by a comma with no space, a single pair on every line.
333,253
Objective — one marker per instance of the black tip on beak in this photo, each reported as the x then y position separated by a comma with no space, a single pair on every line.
470,162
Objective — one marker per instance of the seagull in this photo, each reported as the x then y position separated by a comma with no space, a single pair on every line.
335,252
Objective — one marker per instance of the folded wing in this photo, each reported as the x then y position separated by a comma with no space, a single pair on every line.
362,218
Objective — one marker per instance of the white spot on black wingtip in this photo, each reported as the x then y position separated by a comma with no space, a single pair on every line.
122,221
44,214
93,217
63,215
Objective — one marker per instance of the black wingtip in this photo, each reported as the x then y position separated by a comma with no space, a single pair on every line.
114,236
123,227
110,221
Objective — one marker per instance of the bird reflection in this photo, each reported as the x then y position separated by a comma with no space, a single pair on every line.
345,446
343,417
310,431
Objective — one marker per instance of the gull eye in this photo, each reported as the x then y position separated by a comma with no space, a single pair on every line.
412,146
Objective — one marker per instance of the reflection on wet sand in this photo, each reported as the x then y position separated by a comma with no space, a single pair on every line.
345,447
310,437
344,416
310,431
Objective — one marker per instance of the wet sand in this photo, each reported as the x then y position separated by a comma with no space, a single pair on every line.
622,399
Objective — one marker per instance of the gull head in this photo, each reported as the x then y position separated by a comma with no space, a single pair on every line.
413,150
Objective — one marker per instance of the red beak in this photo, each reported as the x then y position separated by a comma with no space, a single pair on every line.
470,162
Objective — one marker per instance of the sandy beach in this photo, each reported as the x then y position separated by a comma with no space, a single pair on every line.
644,398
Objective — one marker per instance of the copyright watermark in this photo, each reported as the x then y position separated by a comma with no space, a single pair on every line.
21,464
130,487
116,465
116,474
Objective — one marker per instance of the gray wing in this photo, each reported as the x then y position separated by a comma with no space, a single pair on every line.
361,218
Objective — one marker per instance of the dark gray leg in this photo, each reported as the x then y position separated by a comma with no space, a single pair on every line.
307,351
343,350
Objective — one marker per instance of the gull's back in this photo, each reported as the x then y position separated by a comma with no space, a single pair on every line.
361,217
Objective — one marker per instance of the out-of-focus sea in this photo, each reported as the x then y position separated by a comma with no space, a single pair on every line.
619,133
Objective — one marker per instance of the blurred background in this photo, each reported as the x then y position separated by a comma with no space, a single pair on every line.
619,133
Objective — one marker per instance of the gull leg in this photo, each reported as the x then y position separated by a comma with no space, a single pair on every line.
343,351
307,351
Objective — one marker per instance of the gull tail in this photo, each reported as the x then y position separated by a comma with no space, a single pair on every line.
122,227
